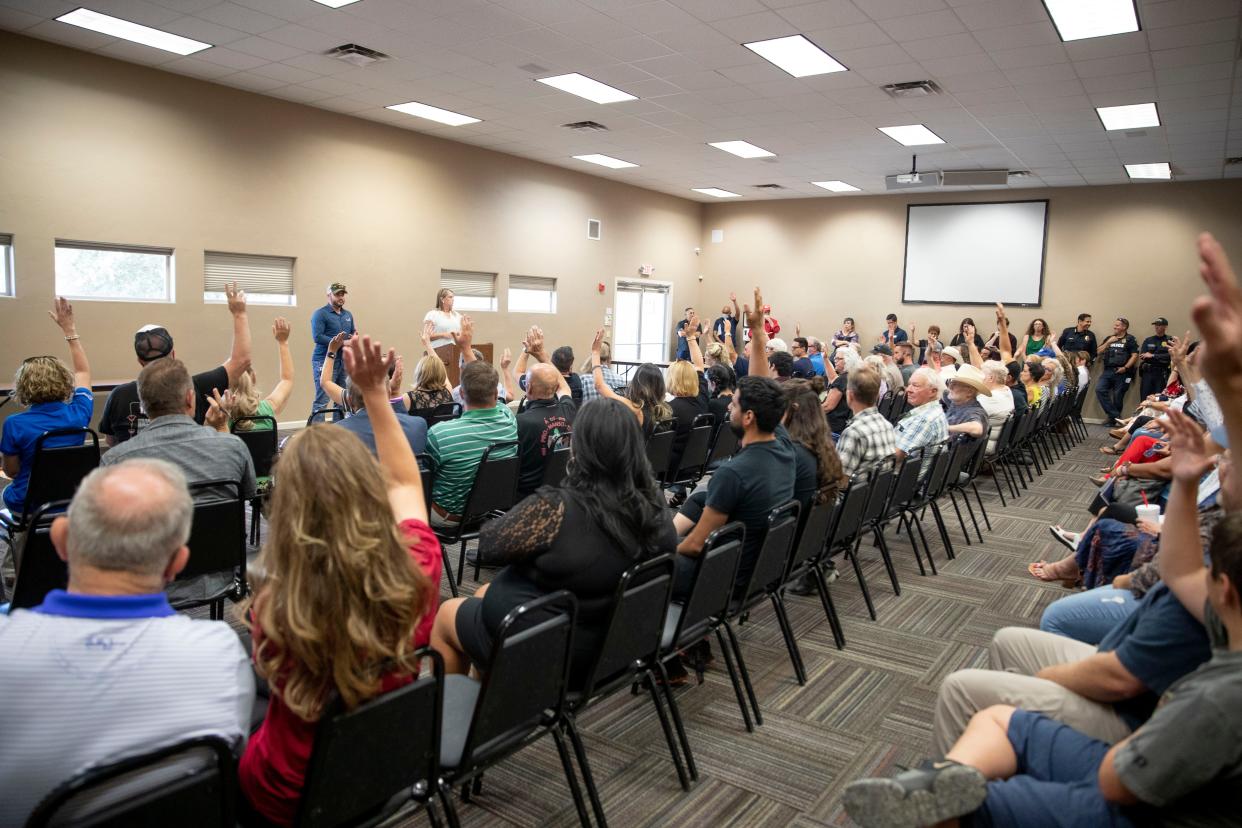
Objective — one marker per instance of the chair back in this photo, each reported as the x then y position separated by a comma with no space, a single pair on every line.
724,445
331,414
192,783
556,466
961,453
1081,398
880,479
773,556
901,404
636,623
1005,437
696,450
660,451
526,676
938,471
218,534
56,471
39,570
364,757
438,414
813,534
906,484
261,442
495,482
711,586
885,406
849,519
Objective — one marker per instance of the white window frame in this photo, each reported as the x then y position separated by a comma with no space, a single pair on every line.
665,345
257,274
467,284
532,284
8,283
170,276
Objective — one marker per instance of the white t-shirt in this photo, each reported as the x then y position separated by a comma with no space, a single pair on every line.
444,322
998,405
104,678
1084,376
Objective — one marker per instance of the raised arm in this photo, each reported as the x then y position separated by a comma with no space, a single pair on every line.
598,375
512,391
1003,327
279,396
975,359
465,339
1219,317
335,392
62,315
737,313
428,330
758,338
730,351
397,379
1181,551
239,357
368,370
696,355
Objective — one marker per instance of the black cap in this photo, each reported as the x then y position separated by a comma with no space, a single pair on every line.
882,349
152,342
1160,320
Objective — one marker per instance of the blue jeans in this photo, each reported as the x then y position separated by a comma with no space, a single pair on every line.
1111,391
1088,616
338,376
1056,784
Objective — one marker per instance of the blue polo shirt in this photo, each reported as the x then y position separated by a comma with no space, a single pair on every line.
817,362
327,323
79,605
22,430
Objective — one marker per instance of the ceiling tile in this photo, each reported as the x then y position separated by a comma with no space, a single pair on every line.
1121,65
1043,55
268,49
284,73
1179,12
762,26
917,26
946,46
302,37
709,10
849,37
239,17
999,13
824,15
1193,55
962,65
884,9
872,56
227,57
1194,34
197,68
1015,37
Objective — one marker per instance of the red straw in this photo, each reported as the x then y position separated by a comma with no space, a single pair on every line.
1143,494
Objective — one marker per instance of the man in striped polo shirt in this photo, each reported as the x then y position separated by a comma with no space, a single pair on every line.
456,447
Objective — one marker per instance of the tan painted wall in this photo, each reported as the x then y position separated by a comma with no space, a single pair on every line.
101,150
1112,251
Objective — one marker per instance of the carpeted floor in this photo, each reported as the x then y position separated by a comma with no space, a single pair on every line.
864,708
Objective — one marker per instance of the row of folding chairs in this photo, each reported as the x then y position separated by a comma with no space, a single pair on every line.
436,414
893,406
1035,439
707,445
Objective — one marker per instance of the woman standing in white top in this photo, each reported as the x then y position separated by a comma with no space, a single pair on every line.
446,320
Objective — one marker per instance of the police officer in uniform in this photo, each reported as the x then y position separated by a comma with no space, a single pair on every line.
1154,359
1119,353
1078,338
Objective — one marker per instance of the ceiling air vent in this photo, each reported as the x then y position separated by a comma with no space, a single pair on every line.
767,186
586,126
359,56
974,178
912,89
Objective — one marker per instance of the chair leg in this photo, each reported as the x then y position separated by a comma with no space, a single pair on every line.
931,562
830,609
461,562
429,805
741,668
791,643
737,686
965,532
671,698
571,777
588,780
904,521
971,512
888,558
996,476
862,581
943,530
446,801
448,570
668,731
986,520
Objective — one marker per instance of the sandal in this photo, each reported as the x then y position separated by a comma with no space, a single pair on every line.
1070,539
1107,450
1101,480
1036,569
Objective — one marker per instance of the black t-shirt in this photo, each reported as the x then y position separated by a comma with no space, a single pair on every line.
1072,339
839,417
122,416
537,426
1119,350
755,481
718,407
1161,356
959,340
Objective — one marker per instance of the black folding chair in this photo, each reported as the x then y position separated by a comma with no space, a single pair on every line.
263,445
556,464
901,404
904,489
217,544
961,452
970,471
331,414
369,761
660,452
694,454
39,568
55,472
439,414
190,784
848,526
879,483
885,405
994,462
520,699
724,445
493,492
806,559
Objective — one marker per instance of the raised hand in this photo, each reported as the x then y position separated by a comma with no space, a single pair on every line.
733,297
236,298
1180,347
1000,313
218,406
506,359
1190,459
1219,317
535,341
595,343
969,332
367,364
466,336
797,329
429,330
62,315
280,329
337,342
398,375
754,318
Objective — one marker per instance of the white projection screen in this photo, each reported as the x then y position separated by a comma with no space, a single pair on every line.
967,254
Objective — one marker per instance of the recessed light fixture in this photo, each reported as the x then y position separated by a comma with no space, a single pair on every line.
605,161
912,135
742,149
716,192
335,4
1134,116
796,55
433,113
836,186
1160,170
585,87
115,26
1080,19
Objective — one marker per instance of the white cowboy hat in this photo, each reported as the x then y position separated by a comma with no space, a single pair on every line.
972,376
951,351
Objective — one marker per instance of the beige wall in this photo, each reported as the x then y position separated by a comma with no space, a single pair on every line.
101,150
1112,251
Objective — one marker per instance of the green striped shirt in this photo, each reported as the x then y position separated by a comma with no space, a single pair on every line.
457,446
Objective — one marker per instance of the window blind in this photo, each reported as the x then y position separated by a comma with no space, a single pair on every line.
643,287
114,248
253,274
532,283
469,283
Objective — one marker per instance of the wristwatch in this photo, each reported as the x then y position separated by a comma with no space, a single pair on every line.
330,355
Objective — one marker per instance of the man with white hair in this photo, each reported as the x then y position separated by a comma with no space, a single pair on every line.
106,669
997,402
924,424
965,415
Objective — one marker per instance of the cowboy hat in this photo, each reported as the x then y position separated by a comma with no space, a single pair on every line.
972,376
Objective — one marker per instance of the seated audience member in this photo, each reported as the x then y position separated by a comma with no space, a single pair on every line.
966,334
869,438
781,365
201,452
1084,368
998,338
777,346
845,361
611,378
1017,388
1037,337
549,414
929,346
817,466
997,401
349,592
106,669
352,400
644,395
456,447
950,358
803,367
741,363
903,355
892,334
924,424
122,413
965,415
582,537
244,395
748,487
815,353
688,385
1103,551
723,384
846,333
1053,377
55,398
1020,766
875,363
563,361
431,386
1032,376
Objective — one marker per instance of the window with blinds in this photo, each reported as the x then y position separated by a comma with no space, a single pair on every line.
267,280
532,294
6,264
114,272
472,290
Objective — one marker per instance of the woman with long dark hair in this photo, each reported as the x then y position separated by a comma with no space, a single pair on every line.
1036,337
960,338
607,516
808,431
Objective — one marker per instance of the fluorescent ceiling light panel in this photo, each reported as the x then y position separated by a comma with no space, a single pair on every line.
836,186
335,4
1160,170
433,113
796,55
605,161
912,135
1135,116
742,149
715,191
585,87
1080,19
115,26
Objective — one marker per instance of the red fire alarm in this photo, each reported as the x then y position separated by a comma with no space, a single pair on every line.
600,287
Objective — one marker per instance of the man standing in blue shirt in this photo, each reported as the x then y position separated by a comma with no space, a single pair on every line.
326,323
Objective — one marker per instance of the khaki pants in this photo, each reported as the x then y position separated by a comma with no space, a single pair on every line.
1016,655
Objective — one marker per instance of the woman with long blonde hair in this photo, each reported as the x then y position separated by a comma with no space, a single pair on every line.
349,590
244,400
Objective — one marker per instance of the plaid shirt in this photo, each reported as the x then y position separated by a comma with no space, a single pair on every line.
922,426
611,378
868,439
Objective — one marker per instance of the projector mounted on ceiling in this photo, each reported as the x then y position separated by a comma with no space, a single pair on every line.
913,179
